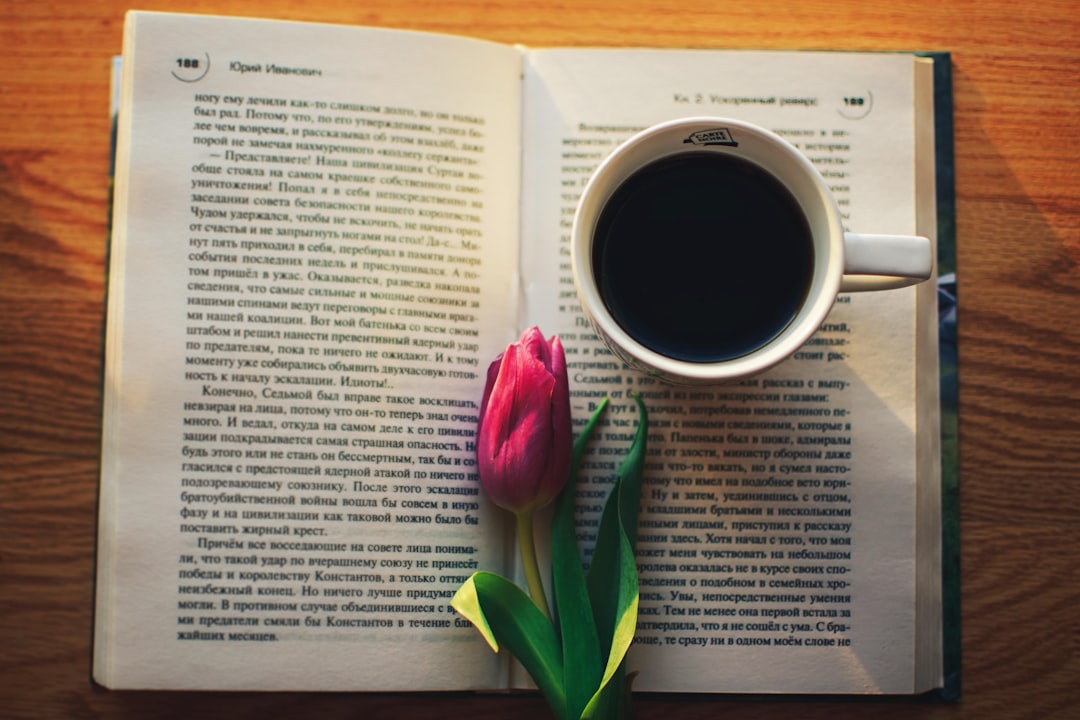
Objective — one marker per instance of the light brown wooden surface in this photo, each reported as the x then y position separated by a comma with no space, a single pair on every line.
1017,101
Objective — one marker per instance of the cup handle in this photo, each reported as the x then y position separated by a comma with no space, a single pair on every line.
884,262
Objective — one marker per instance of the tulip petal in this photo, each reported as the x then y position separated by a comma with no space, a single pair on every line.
535,345
492,374
561,422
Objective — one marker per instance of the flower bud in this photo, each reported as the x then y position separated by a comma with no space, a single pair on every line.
524,437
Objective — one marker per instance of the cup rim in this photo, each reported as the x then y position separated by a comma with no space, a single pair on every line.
812,190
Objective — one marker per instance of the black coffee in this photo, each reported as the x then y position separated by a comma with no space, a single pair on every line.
702,256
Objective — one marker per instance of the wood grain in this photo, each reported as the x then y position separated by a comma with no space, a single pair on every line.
1017,96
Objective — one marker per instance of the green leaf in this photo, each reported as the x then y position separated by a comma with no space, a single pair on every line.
612,579
630,473
582,660
467,602
625,621
618,522
506,616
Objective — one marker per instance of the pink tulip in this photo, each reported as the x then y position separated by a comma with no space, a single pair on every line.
524,433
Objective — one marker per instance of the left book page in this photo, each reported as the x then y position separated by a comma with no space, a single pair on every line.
314,258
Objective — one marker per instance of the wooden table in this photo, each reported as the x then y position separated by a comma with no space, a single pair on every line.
1017,95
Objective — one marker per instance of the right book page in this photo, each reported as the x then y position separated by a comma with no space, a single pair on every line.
780,534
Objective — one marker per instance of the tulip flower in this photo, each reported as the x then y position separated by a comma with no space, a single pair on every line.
578,663
524,436
527,458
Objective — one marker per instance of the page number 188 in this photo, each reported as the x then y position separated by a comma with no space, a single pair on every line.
191,68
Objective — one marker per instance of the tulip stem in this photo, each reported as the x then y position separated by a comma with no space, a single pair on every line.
528,558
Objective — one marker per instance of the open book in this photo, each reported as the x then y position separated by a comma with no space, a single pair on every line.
323,235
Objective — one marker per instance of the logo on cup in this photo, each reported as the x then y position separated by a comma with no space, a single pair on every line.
718,136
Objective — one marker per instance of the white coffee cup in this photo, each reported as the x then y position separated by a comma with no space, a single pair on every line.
645,180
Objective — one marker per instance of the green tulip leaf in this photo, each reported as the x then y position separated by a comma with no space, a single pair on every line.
506,616
630,473
618,522
612,579
582,659
467,602
622,636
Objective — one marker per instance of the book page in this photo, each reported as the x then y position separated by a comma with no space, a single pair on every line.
314,260
777,536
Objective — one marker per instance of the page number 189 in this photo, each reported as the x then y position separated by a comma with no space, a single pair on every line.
856,107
